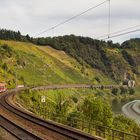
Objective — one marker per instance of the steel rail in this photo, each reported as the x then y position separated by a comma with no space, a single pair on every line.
17,131
66,131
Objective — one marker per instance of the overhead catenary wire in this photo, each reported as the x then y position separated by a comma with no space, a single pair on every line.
119,31
103,37
73,17
121,34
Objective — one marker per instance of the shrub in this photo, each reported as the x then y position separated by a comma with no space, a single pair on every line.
131,91
115,91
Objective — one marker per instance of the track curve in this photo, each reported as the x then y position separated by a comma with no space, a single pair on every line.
52,130
16,130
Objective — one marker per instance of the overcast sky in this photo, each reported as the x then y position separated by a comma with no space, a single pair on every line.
34,16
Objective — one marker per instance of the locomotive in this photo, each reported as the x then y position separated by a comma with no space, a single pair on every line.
2,87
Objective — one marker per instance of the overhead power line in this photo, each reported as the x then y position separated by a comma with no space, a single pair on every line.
118,32
69,19
125,33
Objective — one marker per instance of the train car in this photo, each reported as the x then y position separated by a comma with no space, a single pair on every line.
2,87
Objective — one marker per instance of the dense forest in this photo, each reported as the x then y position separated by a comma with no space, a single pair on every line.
12,35
112,59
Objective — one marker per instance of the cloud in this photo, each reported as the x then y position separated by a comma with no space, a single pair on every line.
34,16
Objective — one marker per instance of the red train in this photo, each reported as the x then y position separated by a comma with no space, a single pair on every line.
2,87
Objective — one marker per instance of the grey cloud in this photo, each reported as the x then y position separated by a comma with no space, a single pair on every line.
33,16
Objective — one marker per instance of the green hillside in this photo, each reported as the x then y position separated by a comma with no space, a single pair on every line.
37,65
74,59
112,59
68,60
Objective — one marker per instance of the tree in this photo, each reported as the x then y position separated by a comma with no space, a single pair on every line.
90,109
115,91
28,37
5,67
73,117
123,123
61,104
107,117
97,79
131,91
123,90
94,110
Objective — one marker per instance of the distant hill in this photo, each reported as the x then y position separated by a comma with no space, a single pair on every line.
111,60
25,63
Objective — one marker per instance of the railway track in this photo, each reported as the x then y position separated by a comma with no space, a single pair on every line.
16,130
74,86
56,131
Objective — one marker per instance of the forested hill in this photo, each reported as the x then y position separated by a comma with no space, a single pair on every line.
112,59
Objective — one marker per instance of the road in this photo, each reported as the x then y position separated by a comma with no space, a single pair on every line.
132,110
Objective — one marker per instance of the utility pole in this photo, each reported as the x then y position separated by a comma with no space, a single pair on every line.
109,18
16,79
15,71
5,75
